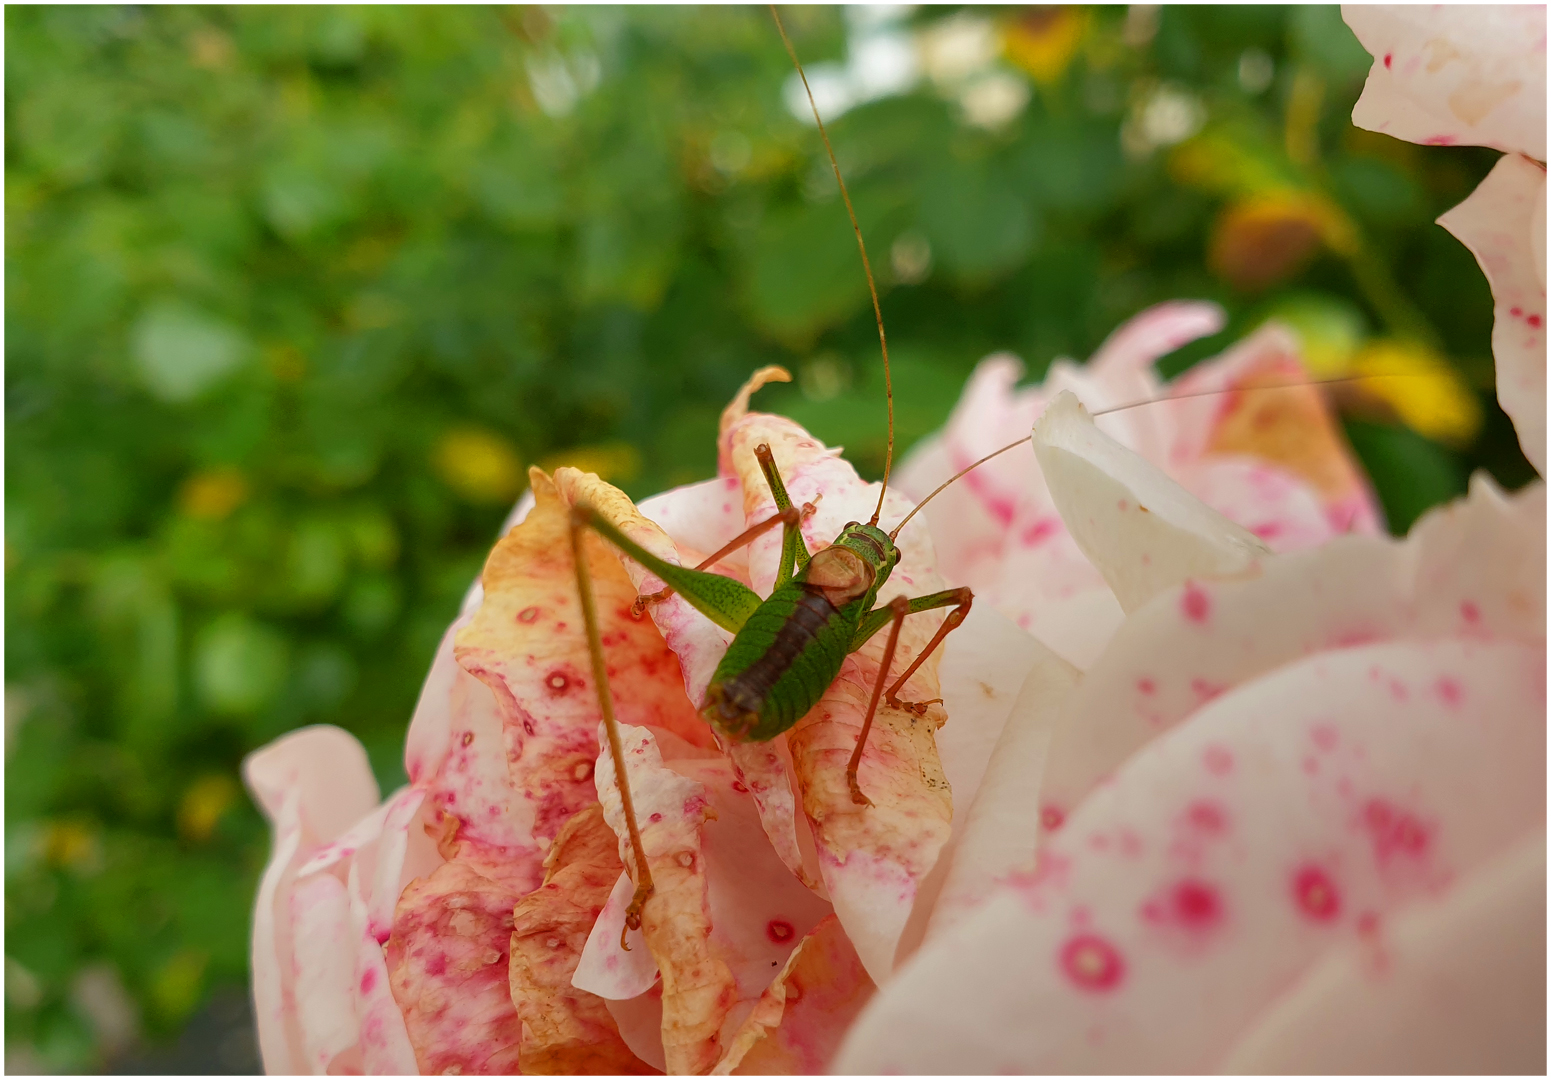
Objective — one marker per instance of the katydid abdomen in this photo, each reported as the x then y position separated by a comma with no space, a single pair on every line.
782,661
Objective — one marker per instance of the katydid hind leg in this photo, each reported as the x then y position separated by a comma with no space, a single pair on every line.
790,518
600,676
725,602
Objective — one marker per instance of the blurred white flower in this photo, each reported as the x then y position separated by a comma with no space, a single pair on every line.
957,48
995,99
1166,116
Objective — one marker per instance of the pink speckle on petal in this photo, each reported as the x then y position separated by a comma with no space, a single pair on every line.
368,980
1516,312
1469,612
1394,831
1206,691
1207,816
1197,905
1315,894
1533,320
1218,760
1146,686
1389,60
1051,817
1449,690
1092,964
527,614
1324,736
780,931
1041,529
1195,604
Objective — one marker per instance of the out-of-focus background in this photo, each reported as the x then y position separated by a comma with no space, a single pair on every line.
295,295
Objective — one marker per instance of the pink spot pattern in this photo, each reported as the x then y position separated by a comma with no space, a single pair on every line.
1092,964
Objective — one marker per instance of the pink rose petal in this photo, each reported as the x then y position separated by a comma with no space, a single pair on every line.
1475,567
1176,904
1453,985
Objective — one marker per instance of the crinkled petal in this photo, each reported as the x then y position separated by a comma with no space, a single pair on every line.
1454,985
698,988
528,645
1500,223
448,966
1443,75
1142,530
802,1016
1475,567
1292,816
566,1030
873,858
456,752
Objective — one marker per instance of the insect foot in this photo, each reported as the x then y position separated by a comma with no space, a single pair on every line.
633,912
856,789
915,708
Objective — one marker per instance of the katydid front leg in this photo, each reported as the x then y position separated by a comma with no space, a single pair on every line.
893,615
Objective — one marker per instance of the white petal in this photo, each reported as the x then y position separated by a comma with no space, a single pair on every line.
1445,74
1455,985
1498,224
1143,531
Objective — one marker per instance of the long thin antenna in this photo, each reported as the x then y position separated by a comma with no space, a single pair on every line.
872,288
955,476
1154,401
1278,386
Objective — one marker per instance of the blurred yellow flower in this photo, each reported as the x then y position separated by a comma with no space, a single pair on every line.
72,845
1426,393
213,493
204,804
1044,40
176,987
480,465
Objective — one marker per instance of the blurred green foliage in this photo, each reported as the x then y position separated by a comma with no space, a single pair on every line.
294,296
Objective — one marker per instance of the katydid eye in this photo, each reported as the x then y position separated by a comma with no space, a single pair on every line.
851,525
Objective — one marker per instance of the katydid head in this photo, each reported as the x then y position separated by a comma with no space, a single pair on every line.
856,564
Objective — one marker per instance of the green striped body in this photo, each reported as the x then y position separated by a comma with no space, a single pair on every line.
789,650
